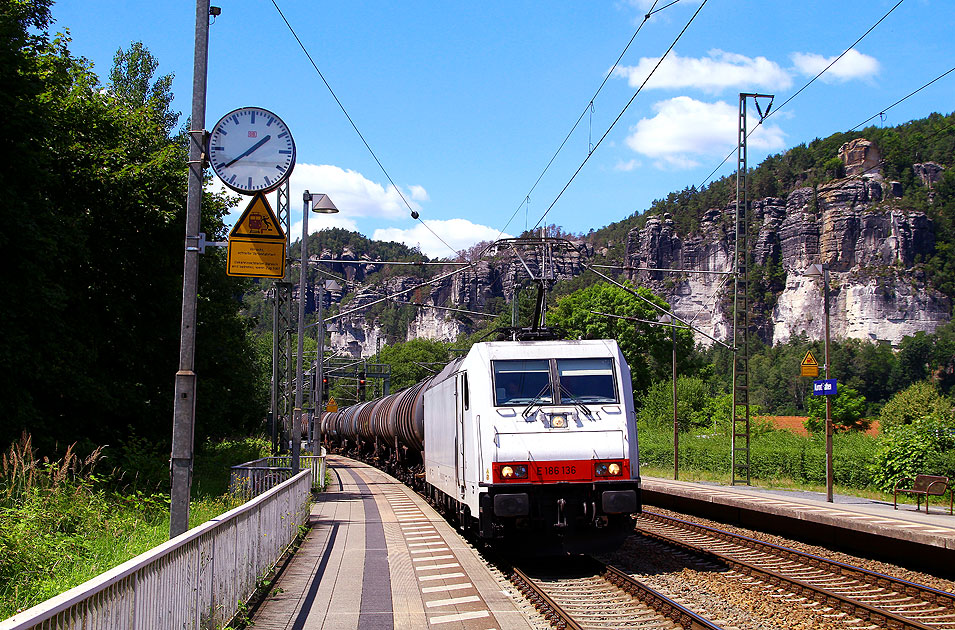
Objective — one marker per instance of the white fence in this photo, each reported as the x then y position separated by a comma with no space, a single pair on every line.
253,478
194,581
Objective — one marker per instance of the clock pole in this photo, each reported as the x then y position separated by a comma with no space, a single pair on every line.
184,413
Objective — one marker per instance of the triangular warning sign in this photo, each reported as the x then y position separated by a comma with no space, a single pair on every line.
258,222
809,360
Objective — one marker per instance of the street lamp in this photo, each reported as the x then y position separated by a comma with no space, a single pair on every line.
321,204
666,320
817,271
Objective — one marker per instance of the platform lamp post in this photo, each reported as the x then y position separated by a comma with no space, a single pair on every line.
320,203
822,271
666,320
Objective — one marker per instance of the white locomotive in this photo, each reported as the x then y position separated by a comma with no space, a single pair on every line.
518,439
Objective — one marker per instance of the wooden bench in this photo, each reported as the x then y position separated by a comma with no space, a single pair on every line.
922,485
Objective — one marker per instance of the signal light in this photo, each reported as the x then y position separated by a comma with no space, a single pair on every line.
324,389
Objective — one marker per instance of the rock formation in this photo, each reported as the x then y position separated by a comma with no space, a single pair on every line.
856,225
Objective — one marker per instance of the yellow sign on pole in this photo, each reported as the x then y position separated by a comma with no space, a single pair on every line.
256,259
809,365
332,406
257,243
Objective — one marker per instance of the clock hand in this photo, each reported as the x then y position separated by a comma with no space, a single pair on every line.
248,151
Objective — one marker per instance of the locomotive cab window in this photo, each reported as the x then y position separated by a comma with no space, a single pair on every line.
521,382
586,381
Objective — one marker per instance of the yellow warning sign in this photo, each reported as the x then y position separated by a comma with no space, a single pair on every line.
332,406
257,243
258,222
809,365
256,259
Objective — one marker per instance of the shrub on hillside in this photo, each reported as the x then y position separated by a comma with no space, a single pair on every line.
919,400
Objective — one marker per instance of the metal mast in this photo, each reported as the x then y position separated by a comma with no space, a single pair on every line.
282,395
740,411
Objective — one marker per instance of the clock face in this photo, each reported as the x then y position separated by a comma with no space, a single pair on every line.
251,150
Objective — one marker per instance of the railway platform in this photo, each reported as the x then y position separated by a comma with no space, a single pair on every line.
855,524
377,556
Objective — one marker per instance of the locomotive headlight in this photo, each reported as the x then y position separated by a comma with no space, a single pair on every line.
607,469
558,422
514,471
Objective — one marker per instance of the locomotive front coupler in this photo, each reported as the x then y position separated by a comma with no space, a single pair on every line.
561,517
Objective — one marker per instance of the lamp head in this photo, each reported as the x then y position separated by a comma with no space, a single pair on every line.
322,204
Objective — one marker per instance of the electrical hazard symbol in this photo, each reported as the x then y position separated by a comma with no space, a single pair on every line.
258,222
809,365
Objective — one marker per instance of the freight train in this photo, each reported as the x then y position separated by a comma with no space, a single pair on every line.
519,441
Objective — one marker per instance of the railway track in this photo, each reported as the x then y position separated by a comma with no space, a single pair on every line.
879,599
584,594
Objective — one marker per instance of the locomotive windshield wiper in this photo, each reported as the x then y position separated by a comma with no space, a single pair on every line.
577,402
540,394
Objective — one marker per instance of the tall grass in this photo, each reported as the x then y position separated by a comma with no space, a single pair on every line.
62,522
777,458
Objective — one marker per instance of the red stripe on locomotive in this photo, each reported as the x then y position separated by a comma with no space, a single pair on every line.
571,470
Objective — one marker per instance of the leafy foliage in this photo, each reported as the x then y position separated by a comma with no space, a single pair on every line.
918,401
907,450
97,190
414,361
655,407
847,409
589,314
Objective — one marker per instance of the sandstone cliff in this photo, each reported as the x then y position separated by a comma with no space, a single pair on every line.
858,226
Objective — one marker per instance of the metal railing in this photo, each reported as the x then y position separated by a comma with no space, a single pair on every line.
194,581
253,478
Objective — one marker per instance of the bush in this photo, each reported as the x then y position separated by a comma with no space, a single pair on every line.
917,401
848,407
907,450
656,404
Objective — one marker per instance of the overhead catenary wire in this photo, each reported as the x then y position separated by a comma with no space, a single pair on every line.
588,108
800,90
414,213
620,115
910,94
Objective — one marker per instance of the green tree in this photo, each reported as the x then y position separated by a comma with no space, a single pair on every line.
848,408
97,200
656,404
413,361
586,314
918,400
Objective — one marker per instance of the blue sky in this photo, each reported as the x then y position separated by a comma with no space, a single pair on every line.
465,103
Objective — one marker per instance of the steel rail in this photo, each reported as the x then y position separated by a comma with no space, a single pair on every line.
659,603
874,614
927,593
675,612
542,601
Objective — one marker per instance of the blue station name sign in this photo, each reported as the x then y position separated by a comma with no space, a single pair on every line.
825,387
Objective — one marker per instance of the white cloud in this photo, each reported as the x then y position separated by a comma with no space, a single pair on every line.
712,74
627,166
684,129
853,65
353,193
418,193
458,233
